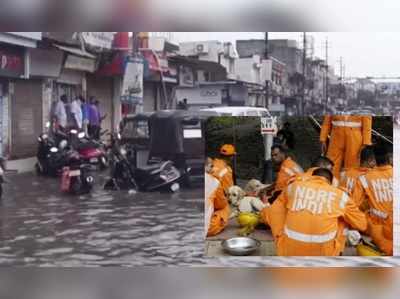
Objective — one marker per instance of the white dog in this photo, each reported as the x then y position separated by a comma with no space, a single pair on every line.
242,203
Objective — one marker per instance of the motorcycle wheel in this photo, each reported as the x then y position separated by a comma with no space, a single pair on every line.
104,163
38,169
76,186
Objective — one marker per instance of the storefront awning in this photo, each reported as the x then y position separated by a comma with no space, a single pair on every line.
76,51
195,63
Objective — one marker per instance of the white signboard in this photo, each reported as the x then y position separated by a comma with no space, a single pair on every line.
209,95
269,125
132,86
79,63
191,133
98,39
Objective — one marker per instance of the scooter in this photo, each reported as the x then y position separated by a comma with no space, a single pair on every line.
50,154
92,152
159,176
76,175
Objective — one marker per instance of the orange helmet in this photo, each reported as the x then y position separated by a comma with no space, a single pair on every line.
227,150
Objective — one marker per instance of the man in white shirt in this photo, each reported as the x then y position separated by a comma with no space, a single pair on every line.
76,111
60,113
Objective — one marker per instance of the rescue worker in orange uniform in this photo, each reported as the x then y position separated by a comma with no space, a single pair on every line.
222,171
305,219
348,177
287,168
348,134
377,187
320,162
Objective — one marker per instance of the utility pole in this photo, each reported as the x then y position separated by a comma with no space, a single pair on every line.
266,56
135,54
268,139
326,77
303,86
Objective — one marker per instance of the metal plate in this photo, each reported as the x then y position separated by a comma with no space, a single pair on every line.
240,245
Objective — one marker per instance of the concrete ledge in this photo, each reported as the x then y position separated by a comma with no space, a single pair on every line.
22,165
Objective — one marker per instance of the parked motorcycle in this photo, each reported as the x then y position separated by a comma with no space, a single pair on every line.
124,175
92,151
76,175
51,152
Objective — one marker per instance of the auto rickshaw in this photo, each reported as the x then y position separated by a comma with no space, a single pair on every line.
178,136
168,135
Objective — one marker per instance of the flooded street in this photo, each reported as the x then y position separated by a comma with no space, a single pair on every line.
40,227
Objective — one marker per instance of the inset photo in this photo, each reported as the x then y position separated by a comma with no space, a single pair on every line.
299,186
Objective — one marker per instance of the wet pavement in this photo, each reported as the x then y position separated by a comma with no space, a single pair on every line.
41,227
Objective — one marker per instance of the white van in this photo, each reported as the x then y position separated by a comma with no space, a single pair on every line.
239,111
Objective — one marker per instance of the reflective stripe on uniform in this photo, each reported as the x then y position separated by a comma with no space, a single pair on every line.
307,238
363,181
350,124
223,172
298,169
335,182
343,200
378,213
288,171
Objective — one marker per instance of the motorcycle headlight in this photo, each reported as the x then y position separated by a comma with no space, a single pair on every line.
81,135
123,151
63,144
54,150
73,131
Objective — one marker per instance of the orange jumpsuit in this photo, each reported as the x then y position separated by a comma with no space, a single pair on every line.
348,134
306,219
220,217
349,177
288,169
377,185
223,173
308,174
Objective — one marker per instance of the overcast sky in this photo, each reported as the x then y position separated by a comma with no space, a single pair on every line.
364,54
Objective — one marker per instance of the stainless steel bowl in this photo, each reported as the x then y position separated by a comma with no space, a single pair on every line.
240,245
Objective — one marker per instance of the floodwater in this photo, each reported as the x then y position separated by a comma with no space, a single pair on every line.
40,227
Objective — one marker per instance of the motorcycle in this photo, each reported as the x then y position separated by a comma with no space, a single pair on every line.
76,175
124,175
50,157
50,154
92,151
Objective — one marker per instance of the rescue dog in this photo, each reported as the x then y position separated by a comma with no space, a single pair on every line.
242,203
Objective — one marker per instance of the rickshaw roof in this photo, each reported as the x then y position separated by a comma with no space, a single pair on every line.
183,114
